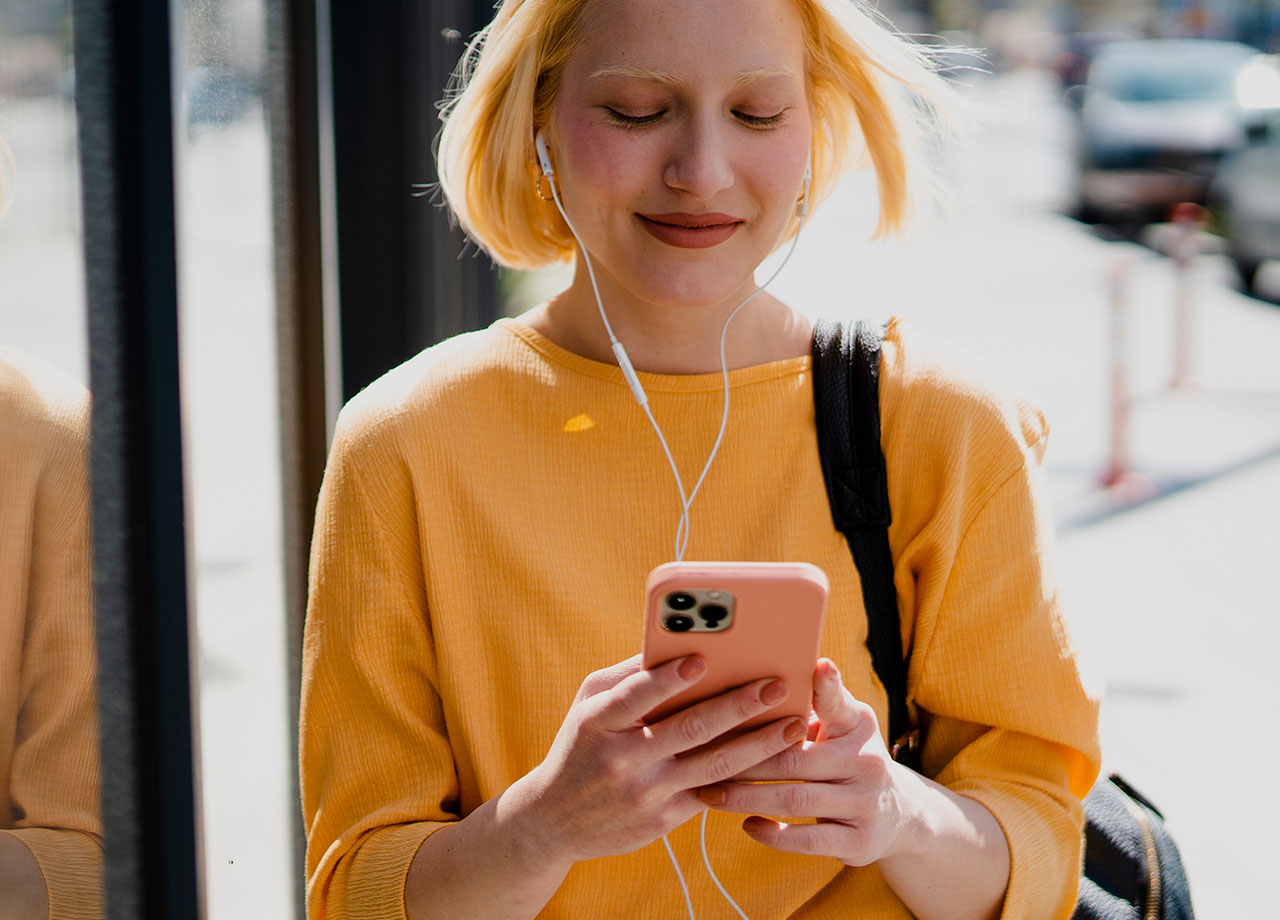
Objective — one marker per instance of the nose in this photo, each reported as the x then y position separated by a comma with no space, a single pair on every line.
700,164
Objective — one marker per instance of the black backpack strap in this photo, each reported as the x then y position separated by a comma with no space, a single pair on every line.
846,397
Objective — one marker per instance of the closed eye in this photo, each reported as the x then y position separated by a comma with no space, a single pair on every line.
631,121
760,121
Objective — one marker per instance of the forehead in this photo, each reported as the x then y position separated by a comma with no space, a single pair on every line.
696,41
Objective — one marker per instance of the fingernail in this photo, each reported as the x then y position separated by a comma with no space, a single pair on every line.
752,825
711,795
775,691
795,730
692,667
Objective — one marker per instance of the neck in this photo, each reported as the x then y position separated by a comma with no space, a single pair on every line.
672,339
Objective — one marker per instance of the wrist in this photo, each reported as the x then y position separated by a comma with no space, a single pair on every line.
920,806
535,836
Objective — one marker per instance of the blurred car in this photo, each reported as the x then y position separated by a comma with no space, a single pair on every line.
1245,203
1155,118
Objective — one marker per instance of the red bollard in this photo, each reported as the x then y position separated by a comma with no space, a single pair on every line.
1125,487
1188,220
1118,450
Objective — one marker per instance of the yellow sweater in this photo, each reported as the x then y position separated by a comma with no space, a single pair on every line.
49,774
489,514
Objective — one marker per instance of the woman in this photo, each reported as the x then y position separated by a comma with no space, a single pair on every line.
471,735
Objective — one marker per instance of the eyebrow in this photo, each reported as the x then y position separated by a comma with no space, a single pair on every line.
667,79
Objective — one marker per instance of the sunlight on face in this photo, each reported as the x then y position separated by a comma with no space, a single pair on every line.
680,136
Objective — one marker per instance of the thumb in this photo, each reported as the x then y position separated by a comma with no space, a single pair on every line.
837,711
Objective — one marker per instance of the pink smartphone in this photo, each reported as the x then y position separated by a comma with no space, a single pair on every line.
746,619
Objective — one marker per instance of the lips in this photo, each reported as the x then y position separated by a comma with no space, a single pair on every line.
691,231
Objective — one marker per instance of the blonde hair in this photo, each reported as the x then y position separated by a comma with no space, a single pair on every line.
860,75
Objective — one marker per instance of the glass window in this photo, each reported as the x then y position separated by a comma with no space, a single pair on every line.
231,429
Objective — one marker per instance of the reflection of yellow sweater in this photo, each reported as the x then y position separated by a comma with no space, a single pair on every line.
489,514
49,783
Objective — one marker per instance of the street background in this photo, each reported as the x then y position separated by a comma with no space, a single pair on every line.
1170,580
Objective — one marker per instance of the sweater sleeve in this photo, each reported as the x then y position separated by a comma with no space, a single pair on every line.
377,772
1008,719
54,780
1006,716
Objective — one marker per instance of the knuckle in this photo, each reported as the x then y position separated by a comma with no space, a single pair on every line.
788,757
808,844
692,727
863,711
720,765
650,801
615,771
747,702
795,799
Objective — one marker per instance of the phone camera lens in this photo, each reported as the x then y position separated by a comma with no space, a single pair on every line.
678,622
681,601
712,614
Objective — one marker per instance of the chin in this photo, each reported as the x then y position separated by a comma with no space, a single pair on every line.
667,285
690,296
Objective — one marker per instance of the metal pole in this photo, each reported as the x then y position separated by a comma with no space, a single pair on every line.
402,285
296,178
150,787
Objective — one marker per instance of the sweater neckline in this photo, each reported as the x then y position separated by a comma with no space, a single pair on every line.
669,383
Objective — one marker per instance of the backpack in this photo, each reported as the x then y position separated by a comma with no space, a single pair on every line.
1132,868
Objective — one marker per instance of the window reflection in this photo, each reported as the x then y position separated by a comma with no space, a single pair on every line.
41,275
50,821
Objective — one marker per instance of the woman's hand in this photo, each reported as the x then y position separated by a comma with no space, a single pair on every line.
866,804
612,784
942,853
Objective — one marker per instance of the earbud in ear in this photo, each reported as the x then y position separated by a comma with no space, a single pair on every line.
544,159
804,195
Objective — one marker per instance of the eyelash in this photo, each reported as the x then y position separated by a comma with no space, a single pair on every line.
643,121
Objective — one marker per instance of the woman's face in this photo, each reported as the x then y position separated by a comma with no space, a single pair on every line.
679,138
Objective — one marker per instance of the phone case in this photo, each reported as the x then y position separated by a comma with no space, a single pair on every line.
771,628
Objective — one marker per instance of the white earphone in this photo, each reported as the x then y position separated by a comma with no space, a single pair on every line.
804,195
540,145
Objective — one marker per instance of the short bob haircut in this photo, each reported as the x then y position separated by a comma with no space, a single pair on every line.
860,75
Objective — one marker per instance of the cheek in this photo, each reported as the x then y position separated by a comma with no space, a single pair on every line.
780,173
601,158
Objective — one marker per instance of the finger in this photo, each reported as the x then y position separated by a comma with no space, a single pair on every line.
720,761
705,721
823,839
794,800
836,709
809,762
624,704
607,678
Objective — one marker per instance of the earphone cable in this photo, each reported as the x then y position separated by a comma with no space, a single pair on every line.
684,888
686,501
724,372
706,861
